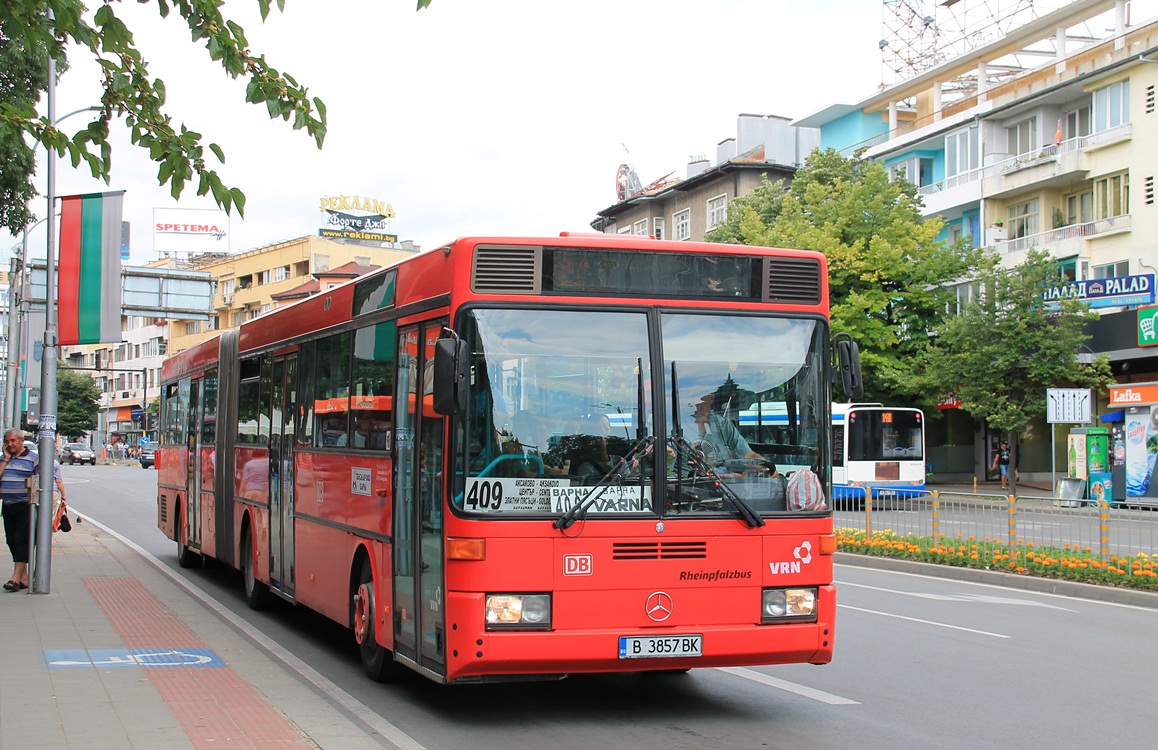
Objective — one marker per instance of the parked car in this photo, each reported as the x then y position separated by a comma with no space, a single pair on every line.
77,453
148,455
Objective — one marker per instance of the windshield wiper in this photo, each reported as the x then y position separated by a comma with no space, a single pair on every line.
621,467
695,460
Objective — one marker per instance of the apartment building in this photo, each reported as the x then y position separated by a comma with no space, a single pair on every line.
688,208
1061,156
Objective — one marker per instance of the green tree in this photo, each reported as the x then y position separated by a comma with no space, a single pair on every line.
77,400
23,75
888,271
1009,345
44,27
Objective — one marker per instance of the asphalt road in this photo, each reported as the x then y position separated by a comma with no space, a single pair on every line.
920,661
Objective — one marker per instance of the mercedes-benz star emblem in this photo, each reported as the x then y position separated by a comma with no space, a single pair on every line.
659,606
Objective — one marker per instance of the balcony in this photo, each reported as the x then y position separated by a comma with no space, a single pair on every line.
1086,231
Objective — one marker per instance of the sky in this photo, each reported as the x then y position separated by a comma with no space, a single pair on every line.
498,117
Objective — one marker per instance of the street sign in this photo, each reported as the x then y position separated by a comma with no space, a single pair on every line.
1068,405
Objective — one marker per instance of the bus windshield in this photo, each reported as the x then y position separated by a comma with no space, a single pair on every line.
556,397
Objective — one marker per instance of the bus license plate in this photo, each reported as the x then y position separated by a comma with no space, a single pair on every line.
660,646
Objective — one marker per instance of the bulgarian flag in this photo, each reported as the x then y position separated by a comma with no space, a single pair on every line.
89,270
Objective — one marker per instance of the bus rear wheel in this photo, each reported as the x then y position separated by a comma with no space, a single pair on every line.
376,660
186,557
256,592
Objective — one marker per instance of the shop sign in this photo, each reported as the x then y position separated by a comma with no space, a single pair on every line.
1116,291
1147,335
1134,394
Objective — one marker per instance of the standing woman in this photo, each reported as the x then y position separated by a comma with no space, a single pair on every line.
17,465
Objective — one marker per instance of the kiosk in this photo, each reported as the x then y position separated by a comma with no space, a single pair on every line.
1139,404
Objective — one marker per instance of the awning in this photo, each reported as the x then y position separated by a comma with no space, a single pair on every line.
1114,416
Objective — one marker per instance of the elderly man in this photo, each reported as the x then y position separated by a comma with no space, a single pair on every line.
17,466
717,436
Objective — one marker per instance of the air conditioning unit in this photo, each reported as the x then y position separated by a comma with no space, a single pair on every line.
227,298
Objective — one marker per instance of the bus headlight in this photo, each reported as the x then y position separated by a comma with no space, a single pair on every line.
789,605
518,611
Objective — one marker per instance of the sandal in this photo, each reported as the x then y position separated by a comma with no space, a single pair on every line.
13,586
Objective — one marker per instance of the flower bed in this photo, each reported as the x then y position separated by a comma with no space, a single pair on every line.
1068,563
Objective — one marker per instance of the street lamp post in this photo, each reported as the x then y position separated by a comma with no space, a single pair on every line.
42,574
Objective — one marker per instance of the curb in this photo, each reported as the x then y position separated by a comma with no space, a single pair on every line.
1072,589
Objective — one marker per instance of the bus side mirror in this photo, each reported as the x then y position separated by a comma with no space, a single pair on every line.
848,364
450,380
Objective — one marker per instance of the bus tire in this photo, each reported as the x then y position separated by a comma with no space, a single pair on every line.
257,594
186,557
376,659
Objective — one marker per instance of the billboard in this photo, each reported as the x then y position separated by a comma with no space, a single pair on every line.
190,230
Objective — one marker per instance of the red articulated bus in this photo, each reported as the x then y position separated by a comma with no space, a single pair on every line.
516,459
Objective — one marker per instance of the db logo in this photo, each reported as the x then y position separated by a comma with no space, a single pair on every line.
577,565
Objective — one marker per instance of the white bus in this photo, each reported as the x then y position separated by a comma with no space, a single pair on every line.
877,447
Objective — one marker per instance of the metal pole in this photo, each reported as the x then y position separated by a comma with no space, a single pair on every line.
11,335
41,580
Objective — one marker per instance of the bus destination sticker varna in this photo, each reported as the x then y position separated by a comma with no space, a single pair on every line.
551,495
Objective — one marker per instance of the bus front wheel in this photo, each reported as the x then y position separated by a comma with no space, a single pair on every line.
376,660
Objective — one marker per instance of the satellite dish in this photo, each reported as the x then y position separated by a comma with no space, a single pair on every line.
627,182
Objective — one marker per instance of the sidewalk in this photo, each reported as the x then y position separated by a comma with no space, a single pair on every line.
119,655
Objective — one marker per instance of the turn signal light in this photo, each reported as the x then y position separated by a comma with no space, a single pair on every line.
458,548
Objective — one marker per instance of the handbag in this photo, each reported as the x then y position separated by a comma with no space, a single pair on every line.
60,522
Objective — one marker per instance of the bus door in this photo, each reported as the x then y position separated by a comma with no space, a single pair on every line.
193,469
283,400
418,548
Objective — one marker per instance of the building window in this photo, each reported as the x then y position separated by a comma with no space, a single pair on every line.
641,227
717,211
916,170
1110,270
624,230
657,227
1078,123
961,152
1112,106
1079,208
1112,196
281,273
682,224
1024,220
228,287
1023,137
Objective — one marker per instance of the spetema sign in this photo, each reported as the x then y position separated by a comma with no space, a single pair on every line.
189,230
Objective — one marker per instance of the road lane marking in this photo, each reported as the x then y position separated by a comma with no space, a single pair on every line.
791,687
923,622
979,598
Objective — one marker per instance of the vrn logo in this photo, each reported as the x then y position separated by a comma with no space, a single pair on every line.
802,555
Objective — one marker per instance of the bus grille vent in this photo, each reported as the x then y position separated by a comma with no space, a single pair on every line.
659,550
507,270
792,280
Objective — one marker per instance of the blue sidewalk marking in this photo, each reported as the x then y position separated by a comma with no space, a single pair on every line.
72,658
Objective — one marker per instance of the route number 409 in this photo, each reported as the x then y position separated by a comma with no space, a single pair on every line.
485,495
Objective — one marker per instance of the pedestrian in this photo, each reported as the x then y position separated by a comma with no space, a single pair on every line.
1001,462
19,464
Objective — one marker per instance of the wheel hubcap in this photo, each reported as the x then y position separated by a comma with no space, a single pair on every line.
363,611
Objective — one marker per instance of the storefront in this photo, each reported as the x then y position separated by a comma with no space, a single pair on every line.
1139,405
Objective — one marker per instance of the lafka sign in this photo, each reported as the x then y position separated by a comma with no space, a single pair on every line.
190,230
